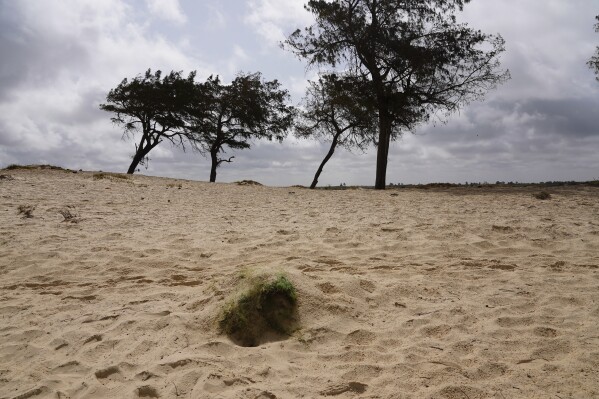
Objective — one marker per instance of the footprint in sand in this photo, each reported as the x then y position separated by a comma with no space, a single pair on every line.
112,373
355,387
147,391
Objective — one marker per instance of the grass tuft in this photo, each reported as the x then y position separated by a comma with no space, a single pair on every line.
26,211
542,195
109,176
265,310
248,183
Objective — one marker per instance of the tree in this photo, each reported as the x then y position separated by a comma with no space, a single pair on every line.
593,63
411,55
155,107
231,115
336,110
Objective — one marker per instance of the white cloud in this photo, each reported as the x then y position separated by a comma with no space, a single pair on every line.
216,18
276,19
169,10
70,54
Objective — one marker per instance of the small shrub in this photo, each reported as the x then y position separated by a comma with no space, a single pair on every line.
6,177
173,185
542,195
248,183
33,167
68,216
267,309
17,167
26,211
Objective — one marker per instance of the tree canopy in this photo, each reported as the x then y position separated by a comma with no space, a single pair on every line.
336,110
232,115
154,106
413,58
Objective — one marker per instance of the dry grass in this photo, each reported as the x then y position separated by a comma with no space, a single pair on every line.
542,195
26,211
109,176
34,167
68,216
248,183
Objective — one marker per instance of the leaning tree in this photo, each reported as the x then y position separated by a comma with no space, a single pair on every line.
412,55
153,106
232,115
336,110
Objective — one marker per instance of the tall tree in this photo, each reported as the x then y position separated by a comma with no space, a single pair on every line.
593,63
412,55
232,115
336,110
154,106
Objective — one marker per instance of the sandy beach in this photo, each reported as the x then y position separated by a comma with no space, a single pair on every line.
113,289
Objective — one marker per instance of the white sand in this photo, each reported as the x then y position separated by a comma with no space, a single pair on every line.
458,293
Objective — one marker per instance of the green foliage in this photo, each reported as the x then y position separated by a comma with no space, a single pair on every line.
266,308
338,109
232,115
154,106
411,57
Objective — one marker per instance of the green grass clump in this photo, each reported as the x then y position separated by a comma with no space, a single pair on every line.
265,311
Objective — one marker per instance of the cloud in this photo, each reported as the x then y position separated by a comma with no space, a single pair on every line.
64,57
276,19
169,10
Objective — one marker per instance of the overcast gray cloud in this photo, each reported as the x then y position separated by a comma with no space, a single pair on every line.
60,58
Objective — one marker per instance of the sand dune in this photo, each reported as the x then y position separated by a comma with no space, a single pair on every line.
457,293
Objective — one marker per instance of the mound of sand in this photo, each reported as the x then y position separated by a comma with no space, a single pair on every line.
453,293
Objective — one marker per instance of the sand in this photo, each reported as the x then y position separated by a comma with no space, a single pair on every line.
446,293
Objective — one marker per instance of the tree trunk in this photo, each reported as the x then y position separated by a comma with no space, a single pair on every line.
324,161
383,150
139,155
214,158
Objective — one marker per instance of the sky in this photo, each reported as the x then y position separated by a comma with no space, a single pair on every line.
59,59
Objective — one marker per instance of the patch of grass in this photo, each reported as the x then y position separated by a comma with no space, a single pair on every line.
110,176
265,310
173,185
33,167
26,211
248,183
17,167
542,195
68,216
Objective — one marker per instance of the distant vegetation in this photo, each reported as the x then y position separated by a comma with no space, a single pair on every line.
209,116
385,68
408,61
108,175
542,195
34,167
